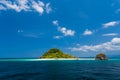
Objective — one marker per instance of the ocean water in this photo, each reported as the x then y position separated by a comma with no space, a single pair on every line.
82,69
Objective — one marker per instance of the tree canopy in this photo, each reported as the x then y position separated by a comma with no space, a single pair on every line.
56,53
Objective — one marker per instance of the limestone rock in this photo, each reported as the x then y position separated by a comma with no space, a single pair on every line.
101,56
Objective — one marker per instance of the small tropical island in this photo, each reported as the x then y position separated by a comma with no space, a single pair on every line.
101,56
56,53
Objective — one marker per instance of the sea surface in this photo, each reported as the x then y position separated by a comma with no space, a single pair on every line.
82,69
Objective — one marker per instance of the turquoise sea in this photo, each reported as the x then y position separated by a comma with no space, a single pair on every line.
82,69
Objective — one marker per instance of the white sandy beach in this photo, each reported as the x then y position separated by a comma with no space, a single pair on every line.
67,59
47,59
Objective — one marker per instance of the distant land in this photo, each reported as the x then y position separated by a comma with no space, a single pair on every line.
56,53
101,56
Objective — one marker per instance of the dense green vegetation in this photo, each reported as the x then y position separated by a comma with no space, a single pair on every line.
56,53
101,56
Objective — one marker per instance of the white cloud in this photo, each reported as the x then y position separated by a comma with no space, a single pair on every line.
55,22
38,6
110,24
66,32
25,5
110,34
48,8
10,5
115,40
57,37
63,30
87,32
113,45
18,5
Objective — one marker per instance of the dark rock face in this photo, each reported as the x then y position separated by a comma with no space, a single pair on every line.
101,56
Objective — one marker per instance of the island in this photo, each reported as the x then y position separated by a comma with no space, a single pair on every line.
101,56
55,54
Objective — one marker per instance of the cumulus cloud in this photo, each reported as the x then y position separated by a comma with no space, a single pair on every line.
63,30
110,24
25,5
66,32
110,34
112,45
87,32
18,5
115,40
38,6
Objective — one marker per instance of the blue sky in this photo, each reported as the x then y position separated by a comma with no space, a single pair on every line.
28,28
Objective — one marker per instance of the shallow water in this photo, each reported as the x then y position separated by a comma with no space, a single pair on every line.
36,69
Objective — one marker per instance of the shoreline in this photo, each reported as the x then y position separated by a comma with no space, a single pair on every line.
55,59
47,59
68,59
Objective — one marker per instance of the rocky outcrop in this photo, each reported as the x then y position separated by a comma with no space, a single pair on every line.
101,56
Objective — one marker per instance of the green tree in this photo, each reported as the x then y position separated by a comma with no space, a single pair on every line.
56,53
